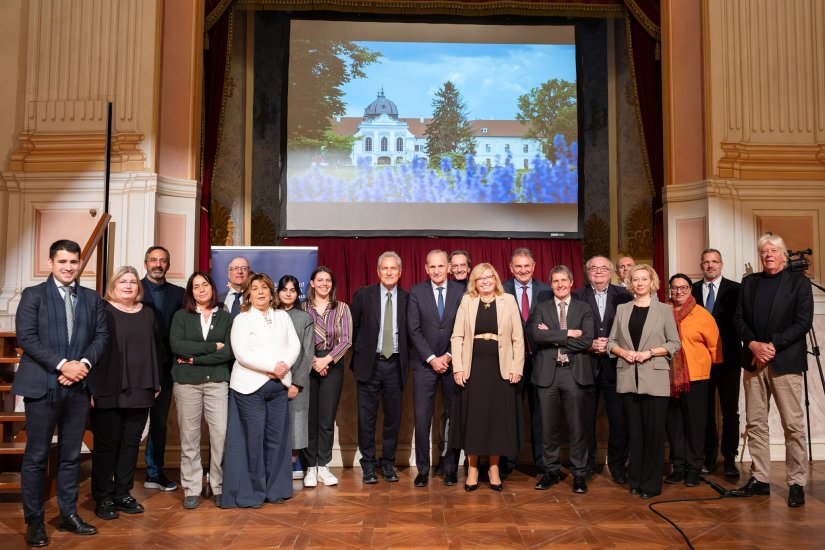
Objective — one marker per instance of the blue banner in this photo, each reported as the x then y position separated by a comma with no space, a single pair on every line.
275,261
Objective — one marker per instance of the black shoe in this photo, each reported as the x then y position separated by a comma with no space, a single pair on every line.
579,485
36,534
547,481
470,488
675,476
635,491
645,495
128,505
709,467
74,524
691,478
160,482
369,477
421,480
753,488
796,496
439,470
730,467
389,473
620,478
106,509
450,479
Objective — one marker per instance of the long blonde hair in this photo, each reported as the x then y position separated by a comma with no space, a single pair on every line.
476,273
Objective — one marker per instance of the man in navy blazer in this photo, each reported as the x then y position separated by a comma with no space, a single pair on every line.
430,317
562,329
719,296
380,361
62,329
603,297
527,292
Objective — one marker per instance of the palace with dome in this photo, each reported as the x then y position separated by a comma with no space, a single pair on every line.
387,139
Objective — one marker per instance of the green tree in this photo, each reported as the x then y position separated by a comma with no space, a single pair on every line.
317,72
550,110
449,132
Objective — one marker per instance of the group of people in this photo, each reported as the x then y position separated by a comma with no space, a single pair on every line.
266,372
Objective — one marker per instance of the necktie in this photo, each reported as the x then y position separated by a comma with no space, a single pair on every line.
236,305
386,337
525,303
67,299
562,325
711,298
440,302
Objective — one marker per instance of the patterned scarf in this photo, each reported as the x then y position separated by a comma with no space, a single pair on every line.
679,374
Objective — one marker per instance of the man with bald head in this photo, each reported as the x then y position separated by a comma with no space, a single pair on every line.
237,273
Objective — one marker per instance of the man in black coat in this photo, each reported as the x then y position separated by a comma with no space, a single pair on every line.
562,329
719,296
603,297
430,317
62,329
165,299
773,316
380,362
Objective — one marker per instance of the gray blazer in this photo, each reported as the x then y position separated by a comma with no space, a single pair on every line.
299,407
659,332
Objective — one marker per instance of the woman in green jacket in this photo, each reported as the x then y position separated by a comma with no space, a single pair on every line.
199,337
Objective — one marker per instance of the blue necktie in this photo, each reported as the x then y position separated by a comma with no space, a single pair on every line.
711,298
440,302
236,305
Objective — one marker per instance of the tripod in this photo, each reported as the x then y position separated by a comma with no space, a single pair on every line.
815,352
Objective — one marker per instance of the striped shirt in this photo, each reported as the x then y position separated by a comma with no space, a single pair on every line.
333,329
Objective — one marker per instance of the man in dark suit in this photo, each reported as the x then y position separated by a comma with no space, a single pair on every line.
165,299
460,265
603,297
562,329
61,327
526,290
773,316
719,296
380,362
238,273
430,318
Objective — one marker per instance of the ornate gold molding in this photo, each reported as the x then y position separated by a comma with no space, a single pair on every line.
62,152
756,161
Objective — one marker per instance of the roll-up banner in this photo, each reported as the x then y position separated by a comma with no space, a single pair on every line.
275,261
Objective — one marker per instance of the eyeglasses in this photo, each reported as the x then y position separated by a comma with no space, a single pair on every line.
486,278
239,268
599,269
679,289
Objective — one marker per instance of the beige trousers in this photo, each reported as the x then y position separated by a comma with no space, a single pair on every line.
787,392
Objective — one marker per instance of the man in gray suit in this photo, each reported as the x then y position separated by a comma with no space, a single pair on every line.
562,329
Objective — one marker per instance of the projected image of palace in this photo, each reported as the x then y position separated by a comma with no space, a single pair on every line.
389,162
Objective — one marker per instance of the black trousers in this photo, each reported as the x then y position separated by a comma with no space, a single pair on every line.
726,380
646,427
526,389
425,385
68,413
324,395
563,392
114,457
158,415
685,425
384,386
617,438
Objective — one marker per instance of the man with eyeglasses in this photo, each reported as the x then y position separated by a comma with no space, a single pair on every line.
719,295
527,291
603,298
165,299
238,274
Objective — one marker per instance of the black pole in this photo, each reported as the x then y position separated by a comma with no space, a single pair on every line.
106,180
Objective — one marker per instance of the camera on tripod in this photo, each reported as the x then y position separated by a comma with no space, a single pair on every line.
797,261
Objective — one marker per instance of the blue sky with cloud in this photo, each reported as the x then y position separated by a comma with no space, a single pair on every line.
490,77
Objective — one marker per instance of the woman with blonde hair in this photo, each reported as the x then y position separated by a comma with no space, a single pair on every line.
488,360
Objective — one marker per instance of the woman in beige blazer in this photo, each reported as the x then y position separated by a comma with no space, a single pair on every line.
644,338
488,360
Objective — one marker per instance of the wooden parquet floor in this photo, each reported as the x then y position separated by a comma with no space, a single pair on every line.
398,515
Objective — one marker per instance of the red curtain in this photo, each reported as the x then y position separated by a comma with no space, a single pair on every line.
354,260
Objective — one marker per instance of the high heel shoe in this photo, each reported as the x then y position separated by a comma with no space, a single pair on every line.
498,487
470,488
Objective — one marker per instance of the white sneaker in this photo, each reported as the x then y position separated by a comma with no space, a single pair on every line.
310,479
326,477
297,474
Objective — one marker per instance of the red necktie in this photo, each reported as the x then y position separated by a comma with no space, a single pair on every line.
525,304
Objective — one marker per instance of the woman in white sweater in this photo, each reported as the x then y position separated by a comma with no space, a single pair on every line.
258,454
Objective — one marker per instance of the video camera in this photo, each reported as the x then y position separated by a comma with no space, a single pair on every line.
797,261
